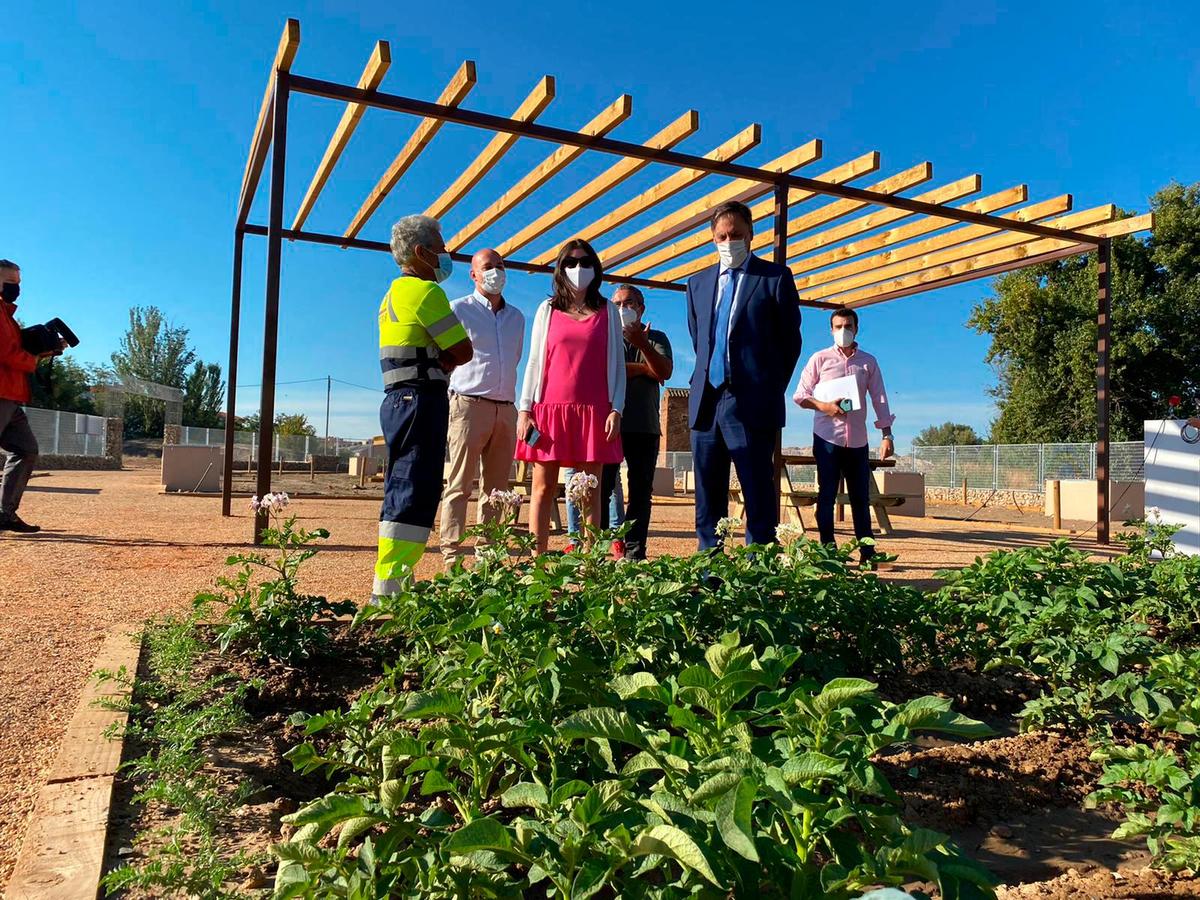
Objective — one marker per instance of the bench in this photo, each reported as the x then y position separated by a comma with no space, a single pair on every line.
794,499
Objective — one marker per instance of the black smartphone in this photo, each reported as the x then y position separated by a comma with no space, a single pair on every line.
533,437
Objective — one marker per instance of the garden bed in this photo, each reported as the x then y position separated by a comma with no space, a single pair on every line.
437,750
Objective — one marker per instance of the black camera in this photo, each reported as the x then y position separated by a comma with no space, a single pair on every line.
48,338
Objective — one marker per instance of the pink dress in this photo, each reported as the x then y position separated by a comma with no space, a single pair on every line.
574,404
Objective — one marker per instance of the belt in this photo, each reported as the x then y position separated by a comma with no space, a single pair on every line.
473,399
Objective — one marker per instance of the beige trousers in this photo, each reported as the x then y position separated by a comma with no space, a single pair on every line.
482,439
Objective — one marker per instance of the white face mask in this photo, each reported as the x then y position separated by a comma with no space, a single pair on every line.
580,277
492,280
629,315
843,337
732,253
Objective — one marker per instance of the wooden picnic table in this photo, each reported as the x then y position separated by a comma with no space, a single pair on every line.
792,498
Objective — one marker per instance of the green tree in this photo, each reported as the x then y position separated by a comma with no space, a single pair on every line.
62,383
203,396
1042,322
294,424
946,434
285,424
156,350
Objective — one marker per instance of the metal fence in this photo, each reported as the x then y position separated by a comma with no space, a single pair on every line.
61,433
1019,467
289,448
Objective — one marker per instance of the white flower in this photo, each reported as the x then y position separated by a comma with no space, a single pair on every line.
497,628
789,533
504,500
269,502
727,526
580,487
1155,513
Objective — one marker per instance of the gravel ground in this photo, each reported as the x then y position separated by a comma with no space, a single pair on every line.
115,550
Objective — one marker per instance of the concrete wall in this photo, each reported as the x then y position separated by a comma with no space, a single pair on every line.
910,485
1077,499
192,468
50,461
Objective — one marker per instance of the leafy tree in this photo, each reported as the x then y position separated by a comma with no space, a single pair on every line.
203,396
62,383
1042,322
295,424
153,349
946,434
285,424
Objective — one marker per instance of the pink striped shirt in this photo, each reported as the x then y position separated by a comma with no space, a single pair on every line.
849,430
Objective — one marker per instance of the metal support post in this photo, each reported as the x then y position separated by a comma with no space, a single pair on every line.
1103,332
271,317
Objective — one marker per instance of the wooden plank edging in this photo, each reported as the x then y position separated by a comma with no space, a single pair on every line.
62,856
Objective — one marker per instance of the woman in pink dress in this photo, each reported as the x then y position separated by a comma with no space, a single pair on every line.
574,388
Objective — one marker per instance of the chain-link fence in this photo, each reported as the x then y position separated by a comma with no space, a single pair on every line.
61,433
1020,467
287,447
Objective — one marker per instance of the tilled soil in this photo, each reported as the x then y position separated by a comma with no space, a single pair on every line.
116,551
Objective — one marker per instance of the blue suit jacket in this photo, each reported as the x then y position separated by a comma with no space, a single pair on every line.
764,341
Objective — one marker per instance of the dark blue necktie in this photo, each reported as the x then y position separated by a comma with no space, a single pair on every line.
716,363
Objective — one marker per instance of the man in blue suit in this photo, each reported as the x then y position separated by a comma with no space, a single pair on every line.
744,317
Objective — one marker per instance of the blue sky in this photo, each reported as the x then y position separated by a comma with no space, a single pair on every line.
125,135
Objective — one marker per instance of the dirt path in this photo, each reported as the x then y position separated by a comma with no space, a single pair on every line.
114,550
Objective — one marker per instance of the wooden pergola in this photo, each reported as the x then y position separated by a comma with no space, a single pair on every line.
865,245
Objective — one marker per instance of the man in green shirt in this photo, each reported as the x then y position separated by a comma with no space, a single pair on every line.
648,365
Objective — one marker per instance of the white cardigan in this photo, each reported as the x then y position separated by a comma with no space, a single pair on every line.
532,388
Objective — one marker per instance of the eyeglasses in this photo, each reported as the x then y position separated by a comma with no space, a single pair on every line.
572,261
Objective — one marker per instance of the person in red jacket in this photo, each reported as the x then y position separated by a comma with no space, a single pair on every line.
16,437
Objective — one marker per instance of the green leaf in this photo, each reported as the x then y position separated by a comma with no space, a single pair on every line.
482,834
354,829
327,811
609,724
431,705
841,692
734,819
715,787
435,783
626,686
811,767
525,793
935,714
392,793
667,840
570,789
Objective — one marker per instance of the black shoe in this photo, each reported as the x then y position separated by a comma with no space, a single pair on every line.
13,522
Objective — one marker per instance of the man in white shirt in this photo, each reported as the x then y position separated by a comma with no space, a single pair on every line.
483,416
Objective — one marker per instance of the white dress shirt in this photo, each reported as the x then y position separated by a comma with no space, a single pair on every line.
498,337
723,274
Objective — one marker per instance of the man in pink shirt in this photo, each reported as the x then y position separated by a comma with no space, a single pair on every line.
840,435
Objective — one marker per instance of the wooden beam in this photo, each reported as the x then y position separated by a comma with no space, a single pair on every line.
975,274
1033,213
918,261
925,225
744,140
370,79
616,113
260,143
863,165
1013,257
693,214
453,94
683,127
872,220
532,107
891,185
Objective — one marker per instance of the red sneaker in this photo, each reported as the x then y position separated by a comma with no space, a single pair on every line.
618,549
